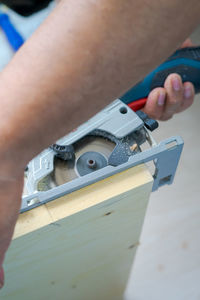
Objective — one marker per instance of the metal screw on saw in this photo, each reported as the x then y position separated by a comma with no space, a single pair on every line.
91,163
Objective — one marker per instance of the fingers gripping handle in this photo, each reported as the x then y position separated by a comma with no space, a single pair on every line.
185,62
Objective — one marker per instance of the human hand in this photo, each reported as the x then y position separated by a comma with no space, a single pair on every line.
175,97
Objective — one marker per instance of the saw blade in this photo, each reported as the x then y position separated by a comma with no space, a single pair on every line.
91,154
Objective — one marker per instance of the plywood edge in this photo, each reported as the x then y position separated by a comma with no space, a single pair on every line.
82,199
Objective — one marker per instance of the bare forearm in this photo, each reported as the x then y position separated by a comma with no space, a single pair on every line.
85,55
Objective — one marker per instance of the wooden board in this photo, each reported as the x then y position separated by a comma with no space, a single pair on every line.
168,262
82,245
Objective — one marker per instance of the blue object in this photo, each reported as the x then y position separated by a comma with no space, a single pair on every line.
185,62
13,36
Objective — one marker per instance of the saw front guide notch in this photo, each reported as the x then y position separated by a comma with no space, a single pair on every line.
108,143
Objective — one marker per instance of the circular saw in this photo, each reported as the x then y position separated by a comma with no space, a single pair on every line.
110,142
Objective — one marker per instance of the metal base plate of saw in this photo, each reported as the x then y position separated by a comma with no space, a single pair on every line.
108,143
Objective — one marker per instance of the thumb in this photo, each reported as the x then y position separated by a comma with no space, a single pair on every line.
187,43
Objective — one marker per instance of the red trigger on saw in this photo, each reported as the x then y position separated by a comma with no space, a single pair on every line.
137,104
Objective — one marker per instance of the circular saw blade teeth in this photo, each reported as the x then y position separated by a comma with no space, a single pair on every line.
65,171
